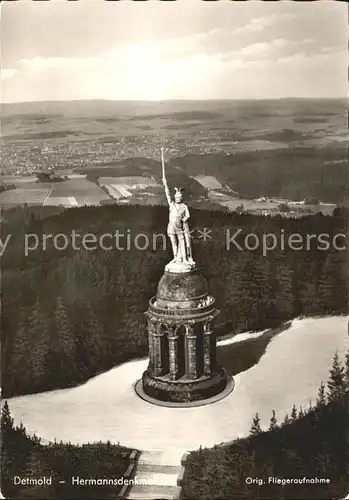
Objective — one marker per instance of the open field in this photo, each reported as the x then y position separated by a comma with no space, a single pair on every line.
68,201
208,182
19,196
266,206
118,191
82,191
232,204
74,187
125,187
18,180
133,182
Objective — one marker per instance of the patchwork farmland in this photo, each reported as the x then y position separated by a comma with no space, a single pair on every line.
125,187
208,182
75,191
69,193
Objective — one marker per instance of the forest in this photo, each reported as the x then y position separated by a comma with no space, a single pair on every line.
309,443
294,173
68,315
26,456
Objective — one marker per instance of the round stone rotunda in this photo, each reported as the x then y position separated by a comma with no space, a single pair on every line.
182,345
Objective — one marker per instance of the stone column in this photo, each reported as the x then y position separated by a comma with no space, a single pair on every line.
173,355
151,330
207,349
158,351
213,351
191,354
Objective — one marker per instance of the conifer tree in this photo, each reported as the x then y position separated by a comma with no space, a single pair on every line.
35,467
346,368
62,348
39,332
283,285
9,448
321,398
33,464
300,412
294,413
64,329
286,420
256,426
6,419
93,342
94,336
331,288
336,382
21,374
273,422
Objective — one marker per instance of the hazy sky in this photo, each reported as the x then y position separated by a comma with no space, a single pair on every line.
59,50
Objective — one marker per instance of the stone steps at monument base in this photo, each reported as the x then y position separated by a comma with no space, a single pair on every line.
155,474
158,468
160,457
152,492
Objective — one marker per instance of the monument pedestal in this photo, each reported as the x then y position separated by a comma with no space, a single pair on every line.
180,267
183,390
182,345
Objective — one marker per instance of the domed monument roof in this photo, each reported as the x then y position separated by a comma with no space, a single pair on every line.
178,287
182,291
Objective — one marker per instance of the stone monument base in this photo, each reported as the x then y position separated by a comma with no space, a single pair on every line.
184,390
180,267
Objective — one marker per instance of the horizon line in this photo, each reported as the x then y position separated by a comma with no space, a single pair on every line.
179,99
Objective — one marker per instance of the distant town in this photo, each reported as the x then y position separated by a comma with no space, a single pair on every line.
22,157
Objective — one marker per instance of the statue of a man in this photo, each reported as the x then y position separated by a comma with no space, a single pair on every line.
178,228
